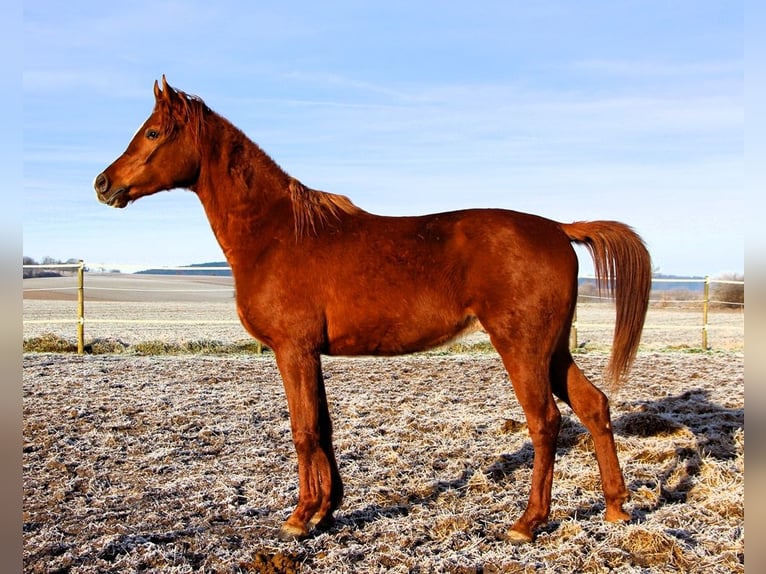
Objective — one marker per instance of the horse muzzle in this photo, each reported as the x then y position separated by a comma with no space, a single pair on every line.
117,197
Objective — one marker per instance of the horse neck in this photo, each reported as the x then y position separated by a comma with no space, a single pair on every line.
240,187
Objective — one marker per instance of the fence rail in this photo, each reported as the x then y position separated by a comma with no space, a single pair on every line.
79,269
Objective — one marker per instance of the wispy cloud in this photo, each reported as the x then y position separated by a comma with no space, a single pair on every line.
666,69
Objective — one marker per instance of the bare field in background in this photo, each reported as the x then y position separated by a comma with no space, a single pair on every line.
135,308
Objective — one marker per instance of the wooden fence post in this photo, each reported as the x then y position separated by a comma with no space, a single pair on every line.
573,331
705,305
80,308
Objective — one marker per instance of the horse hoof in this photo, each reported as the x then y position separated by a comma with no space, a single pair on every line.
516,537
618,515
322,522
288,533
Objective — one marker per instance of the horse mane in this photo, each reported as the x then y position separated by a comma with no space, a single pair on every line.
312,208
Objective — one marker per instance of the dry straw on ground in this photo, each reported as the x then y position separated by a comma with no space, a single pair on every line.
185,464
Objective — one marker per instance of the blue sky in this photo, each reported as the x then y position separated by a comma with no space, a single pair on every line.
572,110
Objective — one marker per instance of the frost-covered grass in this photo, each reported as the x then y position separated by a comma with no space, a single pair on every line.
184,463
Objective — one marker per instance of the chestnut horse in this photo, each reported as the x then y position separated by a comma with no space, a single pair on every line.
315,275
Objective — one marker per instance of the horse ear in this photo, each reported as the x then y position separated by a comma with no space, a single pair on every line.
165,93
168,93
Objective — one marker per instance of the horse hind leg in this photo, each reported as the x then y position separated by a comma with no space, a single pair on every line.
528,371
592,408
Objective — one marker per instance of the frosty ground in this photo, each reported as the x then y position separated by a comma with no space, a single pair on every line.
185,464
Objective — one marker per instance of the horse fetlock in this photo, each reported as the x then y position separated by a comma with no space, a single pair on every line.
614,510
519,536
616,514
292,530
524,530
322,520
296,528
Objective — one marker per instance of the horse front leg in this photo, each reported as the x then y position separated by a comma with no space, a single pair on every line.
320,485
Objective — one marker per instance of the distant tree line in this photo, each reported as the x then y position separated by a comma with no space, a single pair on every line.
730,295
42,272
193,269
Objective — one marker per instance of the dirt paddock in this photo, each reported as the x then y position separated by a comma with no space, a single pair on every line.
185,464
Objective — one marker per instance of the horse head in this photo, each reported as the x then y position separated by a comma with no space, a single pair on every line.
162,155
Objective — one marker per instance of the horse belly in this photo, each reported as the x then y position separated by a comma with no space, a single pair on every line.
386,335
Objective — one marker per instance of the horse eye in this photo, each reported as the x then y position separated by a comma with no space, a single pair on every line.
152,134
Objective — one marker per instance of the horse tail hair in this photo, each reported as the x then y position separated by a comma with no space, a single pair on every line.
623,268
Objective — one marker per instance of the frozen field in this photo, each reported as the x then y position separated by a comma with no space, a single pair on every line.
185,463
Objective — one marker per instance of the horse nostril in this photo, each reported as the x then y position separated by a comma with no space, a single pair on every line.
102,183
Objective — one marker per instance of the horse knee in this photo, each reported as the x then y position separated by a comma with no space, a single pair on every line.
595,414
305,442
589,403
544,429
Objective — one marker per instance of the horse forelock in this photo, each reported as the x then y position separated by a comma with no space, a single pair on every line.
189,113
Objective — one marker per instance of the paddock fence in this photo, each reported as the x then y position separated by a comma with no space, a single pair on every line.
203,303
